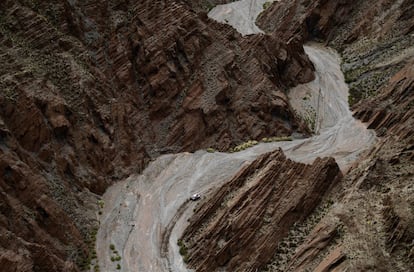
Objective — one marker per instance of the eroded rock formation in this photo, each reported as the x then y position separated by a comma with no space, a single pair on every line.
374,207
344,20
242,223
374,37
365,222
392,111
91,90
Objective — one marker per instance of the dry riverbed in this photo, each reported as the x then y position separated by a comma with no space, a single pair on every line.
145,215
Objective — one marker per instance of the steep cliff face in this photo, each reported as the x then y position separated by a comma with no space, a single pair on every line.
368,227
390,175
391,112
91,90
243,222
374,37
345,20
193,69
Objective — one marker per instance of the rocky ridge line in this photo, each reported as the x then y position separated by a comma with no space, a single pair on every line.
374,207
242,223
91,90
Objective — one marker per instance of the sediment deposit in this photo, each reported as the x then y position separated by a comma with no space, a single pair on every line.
93,92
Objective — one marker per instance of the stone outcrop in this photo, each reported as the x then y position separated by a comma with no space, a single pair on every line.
92,90
317,241
37,228
373,209
304,20
343,21
368,227
391,112
390,174
374,37
243,222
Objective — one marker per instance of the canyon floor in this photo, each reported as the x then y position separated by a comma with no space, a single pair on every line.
294,121
145,215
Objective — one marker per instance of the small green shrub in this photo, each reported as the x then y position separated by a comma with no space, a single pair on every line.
183,251
94,231
266,5
243,146
209,6
210,150
179,243
183,248
118,267
277,139
112,247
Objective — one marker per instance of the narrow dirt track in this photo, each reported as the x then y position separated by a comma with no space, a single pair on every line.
146,214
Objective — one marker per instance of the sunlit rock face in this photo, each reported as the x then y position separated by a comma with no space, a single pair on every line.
242,224
91,91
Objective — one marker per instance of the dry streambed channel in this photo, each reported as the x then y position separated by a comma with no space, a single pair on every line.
144,216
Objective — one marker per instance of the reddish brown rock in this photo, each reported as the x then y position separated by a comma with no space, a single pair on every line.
375,38
91,90
317,241
11,262
392,111
333,262
36,231
345,21
305,20
241,225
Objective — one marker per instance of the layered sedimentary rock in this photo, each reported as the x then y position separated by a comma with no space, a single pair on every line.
365,223
390,173
242,223
91,90
391,112
305,19
368,227
346,20
374,37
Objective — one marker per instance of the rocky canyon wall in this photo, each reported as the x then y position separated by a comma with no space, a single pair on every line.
368,227
364,223
374,37
92,90
244,221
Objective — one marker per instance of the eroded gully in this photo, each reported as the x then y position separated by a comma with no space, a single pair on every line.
145,215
